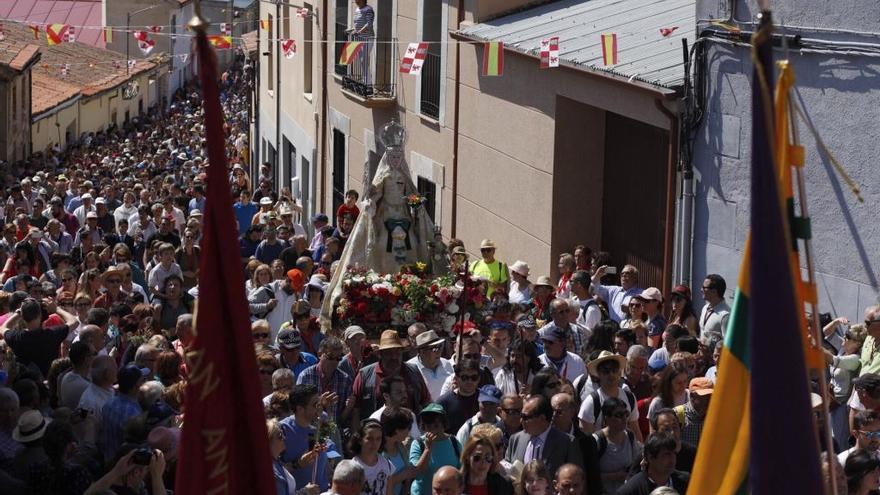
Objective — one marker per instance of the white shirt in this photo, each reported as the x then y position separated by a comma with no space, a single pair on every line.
517,295
589,318
72,387
714,320
414,431
80,213
571,368
124,212
93,400
586,413
435,378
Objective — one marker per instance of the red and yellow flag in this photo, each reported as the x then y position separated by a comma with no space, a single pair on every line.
493,58
609,48
56,33
220,42
350,51
265,24
108,35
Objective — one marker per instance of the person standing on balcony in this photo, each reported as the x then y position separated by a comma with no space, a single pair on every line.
363,31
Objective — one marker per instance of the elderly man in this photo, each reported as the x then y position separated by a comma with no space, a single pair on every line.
570,480
353,337
494,271
589,313
298,247
366,382
333,384
636,376
565,420
275,300
870,358
429,361
567,364
348,479
447,481
616,295
714,315
575,335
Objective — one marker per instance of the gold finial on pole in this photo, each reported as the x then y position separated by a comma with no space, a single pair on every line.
198,23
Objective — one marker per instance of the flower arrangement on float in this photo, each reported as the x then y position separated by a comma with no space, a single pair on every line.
376,301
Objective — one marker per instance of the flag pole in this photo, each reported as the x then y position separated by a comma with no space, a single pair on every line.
816,330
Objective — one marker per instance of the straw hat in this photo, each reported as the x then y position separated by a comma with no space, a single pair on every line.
520,267
544,280
606,356
390,340
31,426
487,244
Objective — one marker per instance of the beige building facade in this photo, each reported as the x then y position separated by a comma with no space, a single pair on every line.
537,160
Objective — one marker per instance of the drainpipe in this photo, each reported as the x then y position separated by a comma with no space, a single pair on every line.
324,104
671,173
278,151
256,143
455,128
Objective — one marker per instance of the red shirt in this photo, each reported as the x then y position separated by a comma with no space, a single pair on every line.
344,209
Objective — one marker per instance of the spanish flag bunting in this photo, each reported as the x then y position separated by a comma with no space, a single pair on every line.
609,48
220,42
56,33
493,58
36,30
265,24
108,35
350,51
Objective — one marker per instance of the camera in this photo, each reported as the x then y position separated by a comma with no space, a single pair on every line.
142,456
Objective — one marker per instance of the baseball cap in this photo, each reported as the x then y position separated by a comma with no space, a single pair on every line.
353,331
130,375
297,278
701,386
289,338
490,393
526,321
553,334
433,408
651,294
319,217
91,214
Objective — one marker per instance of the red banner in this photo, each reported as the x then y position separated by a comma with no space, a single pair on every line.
224,448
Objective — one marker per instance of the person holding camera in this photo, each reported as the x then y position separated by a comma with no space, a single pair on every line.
129,474
32,343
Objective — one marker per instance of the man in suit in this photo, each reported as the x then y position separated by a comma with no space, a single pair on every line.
564,413
540,440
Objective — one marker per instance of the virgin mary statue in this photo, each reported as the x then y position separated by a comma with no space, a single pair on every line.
393,228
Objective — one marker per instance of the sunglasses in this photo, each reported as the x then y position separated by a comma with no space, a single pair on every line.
480,458
512,412
261,335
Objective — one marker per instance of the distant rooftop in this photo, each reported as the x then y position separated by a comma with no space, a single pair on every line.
643,53
73,12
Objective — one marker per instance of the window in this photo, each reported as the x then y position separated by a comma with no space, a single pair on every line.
429,191
307,52
342,7
270,66
338,168
432,30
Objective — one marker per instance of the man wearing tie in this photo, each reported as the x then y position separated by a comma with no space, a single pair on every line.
540,440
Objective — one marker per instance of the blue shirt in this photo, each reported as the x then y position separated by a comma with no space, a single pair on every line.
198,204
267,253
114,417
244,214
341,386
442,454
305,360
615,296
296,443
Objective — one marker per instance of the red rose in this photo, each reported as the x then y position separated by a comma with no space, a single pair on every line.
361,308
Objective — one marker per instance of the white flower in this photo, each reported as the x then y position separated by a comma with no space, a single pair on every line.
452,308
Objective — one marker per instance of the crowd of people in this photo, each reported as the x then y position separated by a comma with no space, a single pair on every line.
591,384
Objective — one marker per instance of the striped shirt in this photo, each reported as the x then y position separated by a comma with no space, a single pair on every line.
363,16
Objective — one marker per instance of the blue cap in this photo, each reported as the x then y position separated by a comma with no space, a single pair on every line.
130,375
490,393
553,334
159,411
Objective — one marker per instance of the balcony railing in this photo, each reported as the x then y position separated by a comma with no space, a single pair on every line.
372,73
431,86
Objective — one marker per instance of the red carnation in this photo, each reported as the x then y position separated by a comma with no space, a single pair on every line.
361,308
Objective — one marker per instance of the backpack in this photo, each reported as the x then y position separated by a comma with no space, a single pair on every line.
602,441
597,404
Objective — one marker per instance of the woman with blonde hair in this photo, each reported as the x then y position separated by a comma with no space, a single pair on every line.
479,468
843,368
262,275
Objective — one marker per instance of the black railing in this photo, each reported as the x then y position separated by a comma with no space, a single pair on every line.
431,86
373,70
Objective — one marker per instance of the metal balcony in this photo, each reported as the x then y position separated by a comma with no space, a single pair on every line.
372,76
